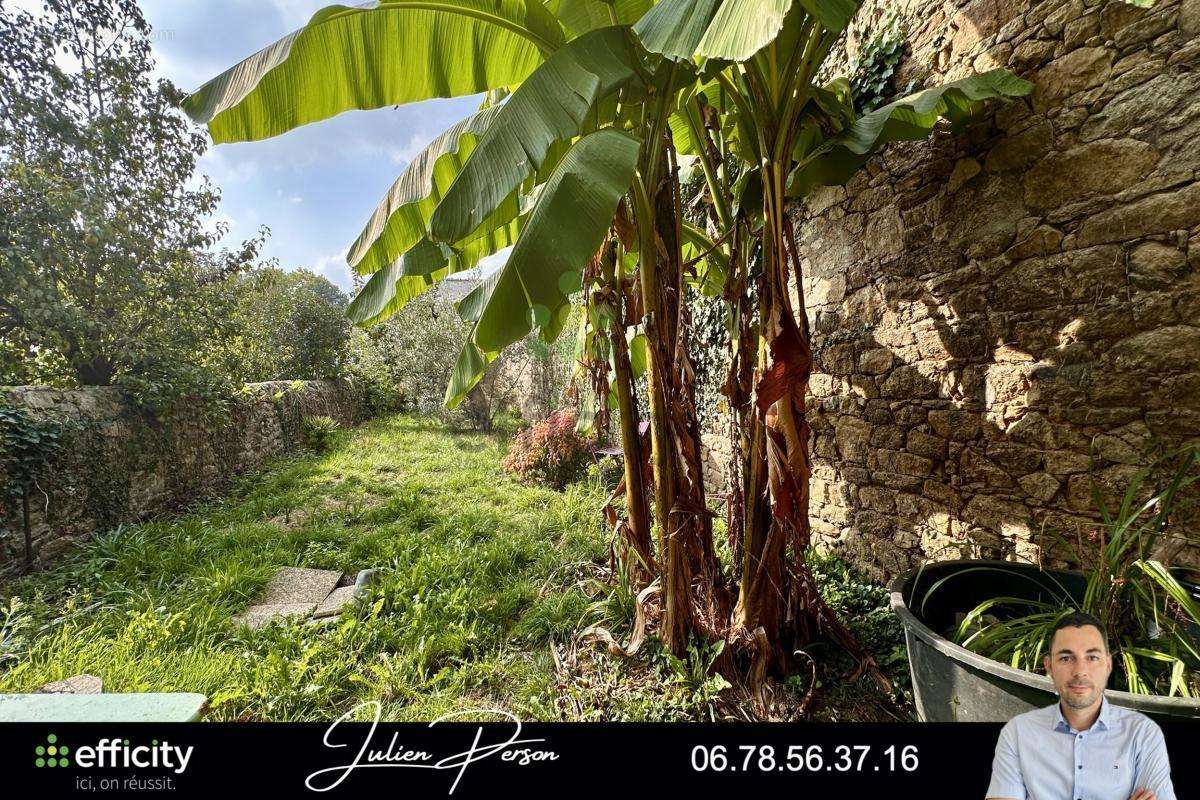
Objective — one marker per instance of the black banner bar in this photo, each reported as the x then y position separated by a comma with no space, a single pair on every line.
480,760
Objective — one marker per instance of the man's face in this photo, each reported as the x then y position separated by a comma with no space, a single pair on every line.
1079,665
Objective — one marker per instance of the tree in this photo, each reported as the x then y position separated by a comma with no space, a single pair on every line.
105,273
288,326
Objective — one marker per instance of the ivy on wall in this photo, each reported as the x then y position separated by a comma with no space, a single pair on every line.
711,356
27,447
873,69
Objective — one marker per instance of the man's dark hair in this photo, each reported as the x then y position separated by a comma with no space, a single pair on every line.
1078,619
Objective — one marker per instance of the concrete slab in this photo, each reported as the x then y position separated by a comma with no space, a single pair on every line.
299,585
149,707
259,615
336,601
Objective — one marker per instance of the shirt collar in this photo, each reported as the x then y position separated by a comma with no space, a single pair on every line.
1104,719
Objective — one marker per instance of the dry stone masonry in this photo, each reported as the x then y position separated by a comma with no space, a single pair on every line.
992,309
121,464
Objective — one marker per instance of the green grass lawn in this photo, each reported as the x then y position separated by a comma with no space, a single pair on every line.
481,577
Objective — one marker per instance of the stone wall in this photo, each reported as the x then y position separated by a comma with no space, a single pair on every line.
991,308
120,464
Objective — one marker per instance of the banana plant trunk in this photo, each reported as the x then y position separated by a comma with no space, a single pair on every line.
690,571
780,608
638,530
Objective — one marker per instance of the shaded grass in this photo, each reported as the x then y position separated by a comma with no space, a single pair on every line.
465,605
479,576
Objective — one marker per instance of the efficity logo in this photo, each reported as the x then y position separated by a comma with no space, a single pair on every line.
51,754
113,754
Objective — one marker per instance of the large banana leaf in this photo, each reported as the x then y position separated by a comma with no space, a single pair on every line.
741,28
581,16
468,369
472,362
416,270
575,209
390,289
470,308
834,15
674,28
729,29
401,219
837,159
552,105
382,53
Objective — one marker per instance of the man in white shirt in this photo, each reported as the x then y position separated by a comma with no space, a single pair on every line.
1081,748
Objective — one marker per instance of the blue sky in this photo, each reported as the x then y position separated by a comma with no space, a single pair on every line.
316,186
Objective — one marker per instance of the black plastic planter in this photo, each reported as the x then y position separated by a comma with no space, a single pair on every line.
952,684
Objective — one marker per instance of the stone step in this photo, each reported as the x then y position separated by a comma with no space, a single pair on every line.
332,606
295,591
299,585
256,616
76,684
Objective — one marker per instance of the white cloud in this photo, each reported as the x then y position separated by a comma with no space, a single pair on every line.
335,268
296,199
225,168
417,142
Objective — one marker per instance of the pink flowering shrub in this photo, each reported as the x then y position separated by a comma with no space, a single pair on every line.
551,452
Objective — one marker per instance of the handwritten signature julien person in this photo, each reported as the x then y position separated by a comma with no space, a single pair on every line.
397,755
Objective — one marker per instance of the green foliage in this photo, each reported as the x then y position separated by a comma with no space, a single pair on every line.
552,367
289,326
318,433
607,471
414,352
551,452
865,606
371,374
1153,620
695,671
417,348
104,274
27,448
873,68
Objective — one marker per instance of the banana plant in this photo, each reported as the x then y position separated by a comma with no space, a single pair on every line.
576,119
789,135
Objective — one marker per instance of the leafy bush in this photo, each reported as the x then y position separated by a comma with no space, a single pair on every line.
417,349
422,343
289,326
316,433
551,452
550,368
371,374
